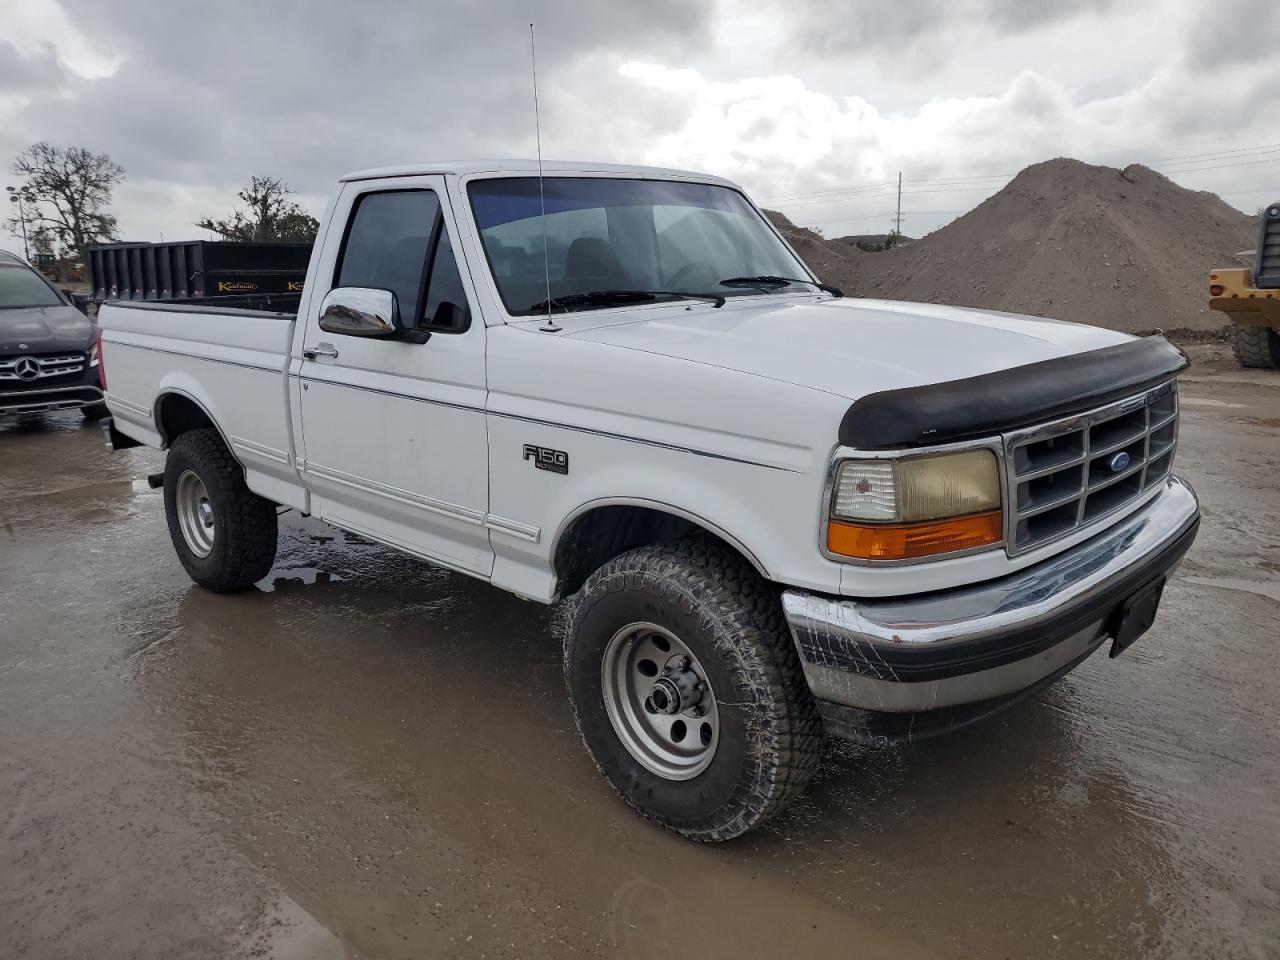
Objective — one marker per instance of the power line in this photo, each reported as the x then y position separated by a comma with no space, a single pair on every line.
890,213
994,176
1202,162
828,202
820,193
1200,156
1225,166
1166,161
873,196
870,216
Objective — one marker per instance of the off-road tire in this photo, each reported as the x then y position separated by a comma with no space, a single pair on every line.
245,525
94,411
770,731
1256,346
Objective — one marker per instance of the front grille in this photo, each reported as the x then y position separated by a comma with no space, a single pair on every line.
1072,473
46,365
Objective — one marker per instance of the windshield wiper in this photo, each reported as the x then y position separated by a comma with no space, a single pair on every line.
609,297
765,282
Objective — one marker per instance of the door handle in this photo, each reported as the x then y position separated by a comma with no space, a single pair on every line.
319,350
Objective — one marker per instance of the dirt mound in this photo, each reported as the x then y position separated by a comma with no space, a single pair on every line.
831,260
1126,249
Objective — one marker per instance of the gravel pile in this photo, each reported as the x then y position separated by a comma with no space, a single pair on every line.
1126,249
833,261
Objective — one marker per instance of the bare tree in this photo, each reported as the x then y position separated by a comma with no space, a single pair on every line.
72,188
270,215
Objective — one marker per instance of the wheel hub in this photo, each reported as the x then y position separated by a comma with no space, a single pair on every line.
676,691
195,513
659,701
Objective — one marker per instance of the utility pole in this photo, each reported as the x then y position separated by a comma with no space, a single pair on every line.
897,220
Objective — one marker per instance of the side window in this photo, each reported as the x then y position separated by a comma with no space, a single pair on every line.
392,238
445,306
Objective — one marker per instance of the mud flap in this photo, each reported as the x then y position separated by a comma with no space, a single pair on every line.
116,440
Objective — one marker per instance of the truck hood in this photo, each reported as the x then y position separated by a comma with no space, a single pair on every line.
44,330
848,347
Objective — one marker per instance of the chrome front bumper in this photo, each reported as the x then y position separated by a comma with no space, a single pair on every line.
50,399
963,653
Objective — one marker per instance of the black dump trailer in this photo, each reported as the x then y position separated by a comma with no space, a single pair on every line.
256,275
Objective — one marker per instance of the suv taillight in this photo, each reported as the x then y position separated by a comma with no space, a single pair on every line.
102,367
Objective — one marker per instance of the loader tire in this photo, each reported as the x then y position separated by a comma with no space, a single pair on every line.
1256,346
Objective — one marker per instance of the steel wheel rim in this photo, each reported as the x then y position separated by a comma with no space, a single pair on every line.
195,513
675,746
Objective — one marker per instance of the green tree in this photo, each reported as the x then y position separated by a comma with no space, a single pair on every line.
269,215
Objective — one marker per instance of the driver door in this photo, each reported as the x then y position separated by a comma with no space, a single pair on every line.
393,431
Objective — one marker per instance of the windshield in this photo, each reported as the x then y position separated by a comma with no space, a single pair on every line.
20,287
660,236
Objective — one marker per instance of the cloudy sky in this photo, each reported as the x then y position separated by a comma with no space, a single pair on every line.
812,105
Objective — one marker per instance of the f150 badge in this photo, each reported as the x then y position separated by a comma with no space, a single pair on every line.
544,458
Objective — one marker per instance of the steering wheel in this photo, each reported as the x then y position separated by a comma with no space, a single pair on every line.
677,280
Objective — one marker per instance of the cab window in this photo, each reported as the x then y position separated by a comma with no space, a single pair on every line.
397,240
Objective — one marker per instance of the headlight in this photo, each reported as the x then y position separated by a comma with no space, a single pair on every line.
915,507
93,355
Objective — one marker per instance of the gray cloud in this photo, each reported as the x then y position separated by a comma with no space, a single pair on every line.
1245,31
24,75
864,26
787,97
306,92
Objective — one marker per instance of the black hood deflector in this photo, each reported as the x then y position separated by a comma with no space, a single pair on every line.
1008,399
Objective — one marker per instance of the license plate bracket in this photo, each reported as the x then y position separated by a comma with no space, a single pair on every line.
1135,615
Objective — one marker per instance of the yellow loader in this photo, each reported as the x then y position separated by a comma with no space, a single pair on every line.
1252,298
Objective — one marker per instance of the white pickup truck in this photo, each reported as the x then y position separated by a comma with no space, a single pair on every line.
774,511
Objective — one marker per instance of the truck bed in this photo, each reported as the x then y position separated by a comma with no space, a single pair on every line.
230,363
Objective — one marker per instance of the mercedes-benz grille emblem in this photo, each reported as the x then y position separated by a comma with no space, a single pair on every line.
1119,462
26,369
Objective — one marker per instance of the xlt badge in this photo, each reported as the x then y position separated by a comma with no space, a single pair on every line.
544,458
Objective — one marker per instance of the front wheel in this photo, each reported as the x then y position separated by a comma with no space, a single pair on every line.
223,532
688,691
94,411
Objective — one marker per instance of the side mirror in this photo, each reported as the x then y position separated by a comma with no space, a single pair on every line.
81,302
360,312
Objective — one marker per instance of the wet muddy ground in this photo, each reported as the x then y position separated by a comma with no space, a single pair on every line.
370,757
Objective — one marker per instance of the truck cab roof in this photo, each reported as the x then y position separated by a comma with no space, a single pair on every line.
529,167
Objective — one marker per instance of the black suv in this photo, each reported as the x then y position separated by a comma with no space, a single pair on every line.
48,349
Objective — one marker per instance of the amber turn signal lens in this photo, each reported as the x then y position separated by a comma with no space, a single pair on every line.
904,541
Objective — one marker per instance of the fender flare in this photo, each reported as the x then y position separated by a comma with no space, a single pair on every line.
158,406
661,507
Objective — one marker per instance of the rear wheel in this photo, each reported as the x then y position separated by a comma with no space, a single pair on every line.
1256,346
688,691
224,533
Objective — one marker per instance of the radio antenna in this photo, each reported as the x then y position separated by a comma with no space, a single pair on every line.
550,326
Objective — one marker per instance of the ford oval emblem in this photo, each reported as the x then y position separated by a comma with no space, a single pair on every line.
1118,462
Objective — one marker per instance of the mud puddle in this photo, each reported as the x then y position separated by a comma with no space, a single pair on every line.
371,757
